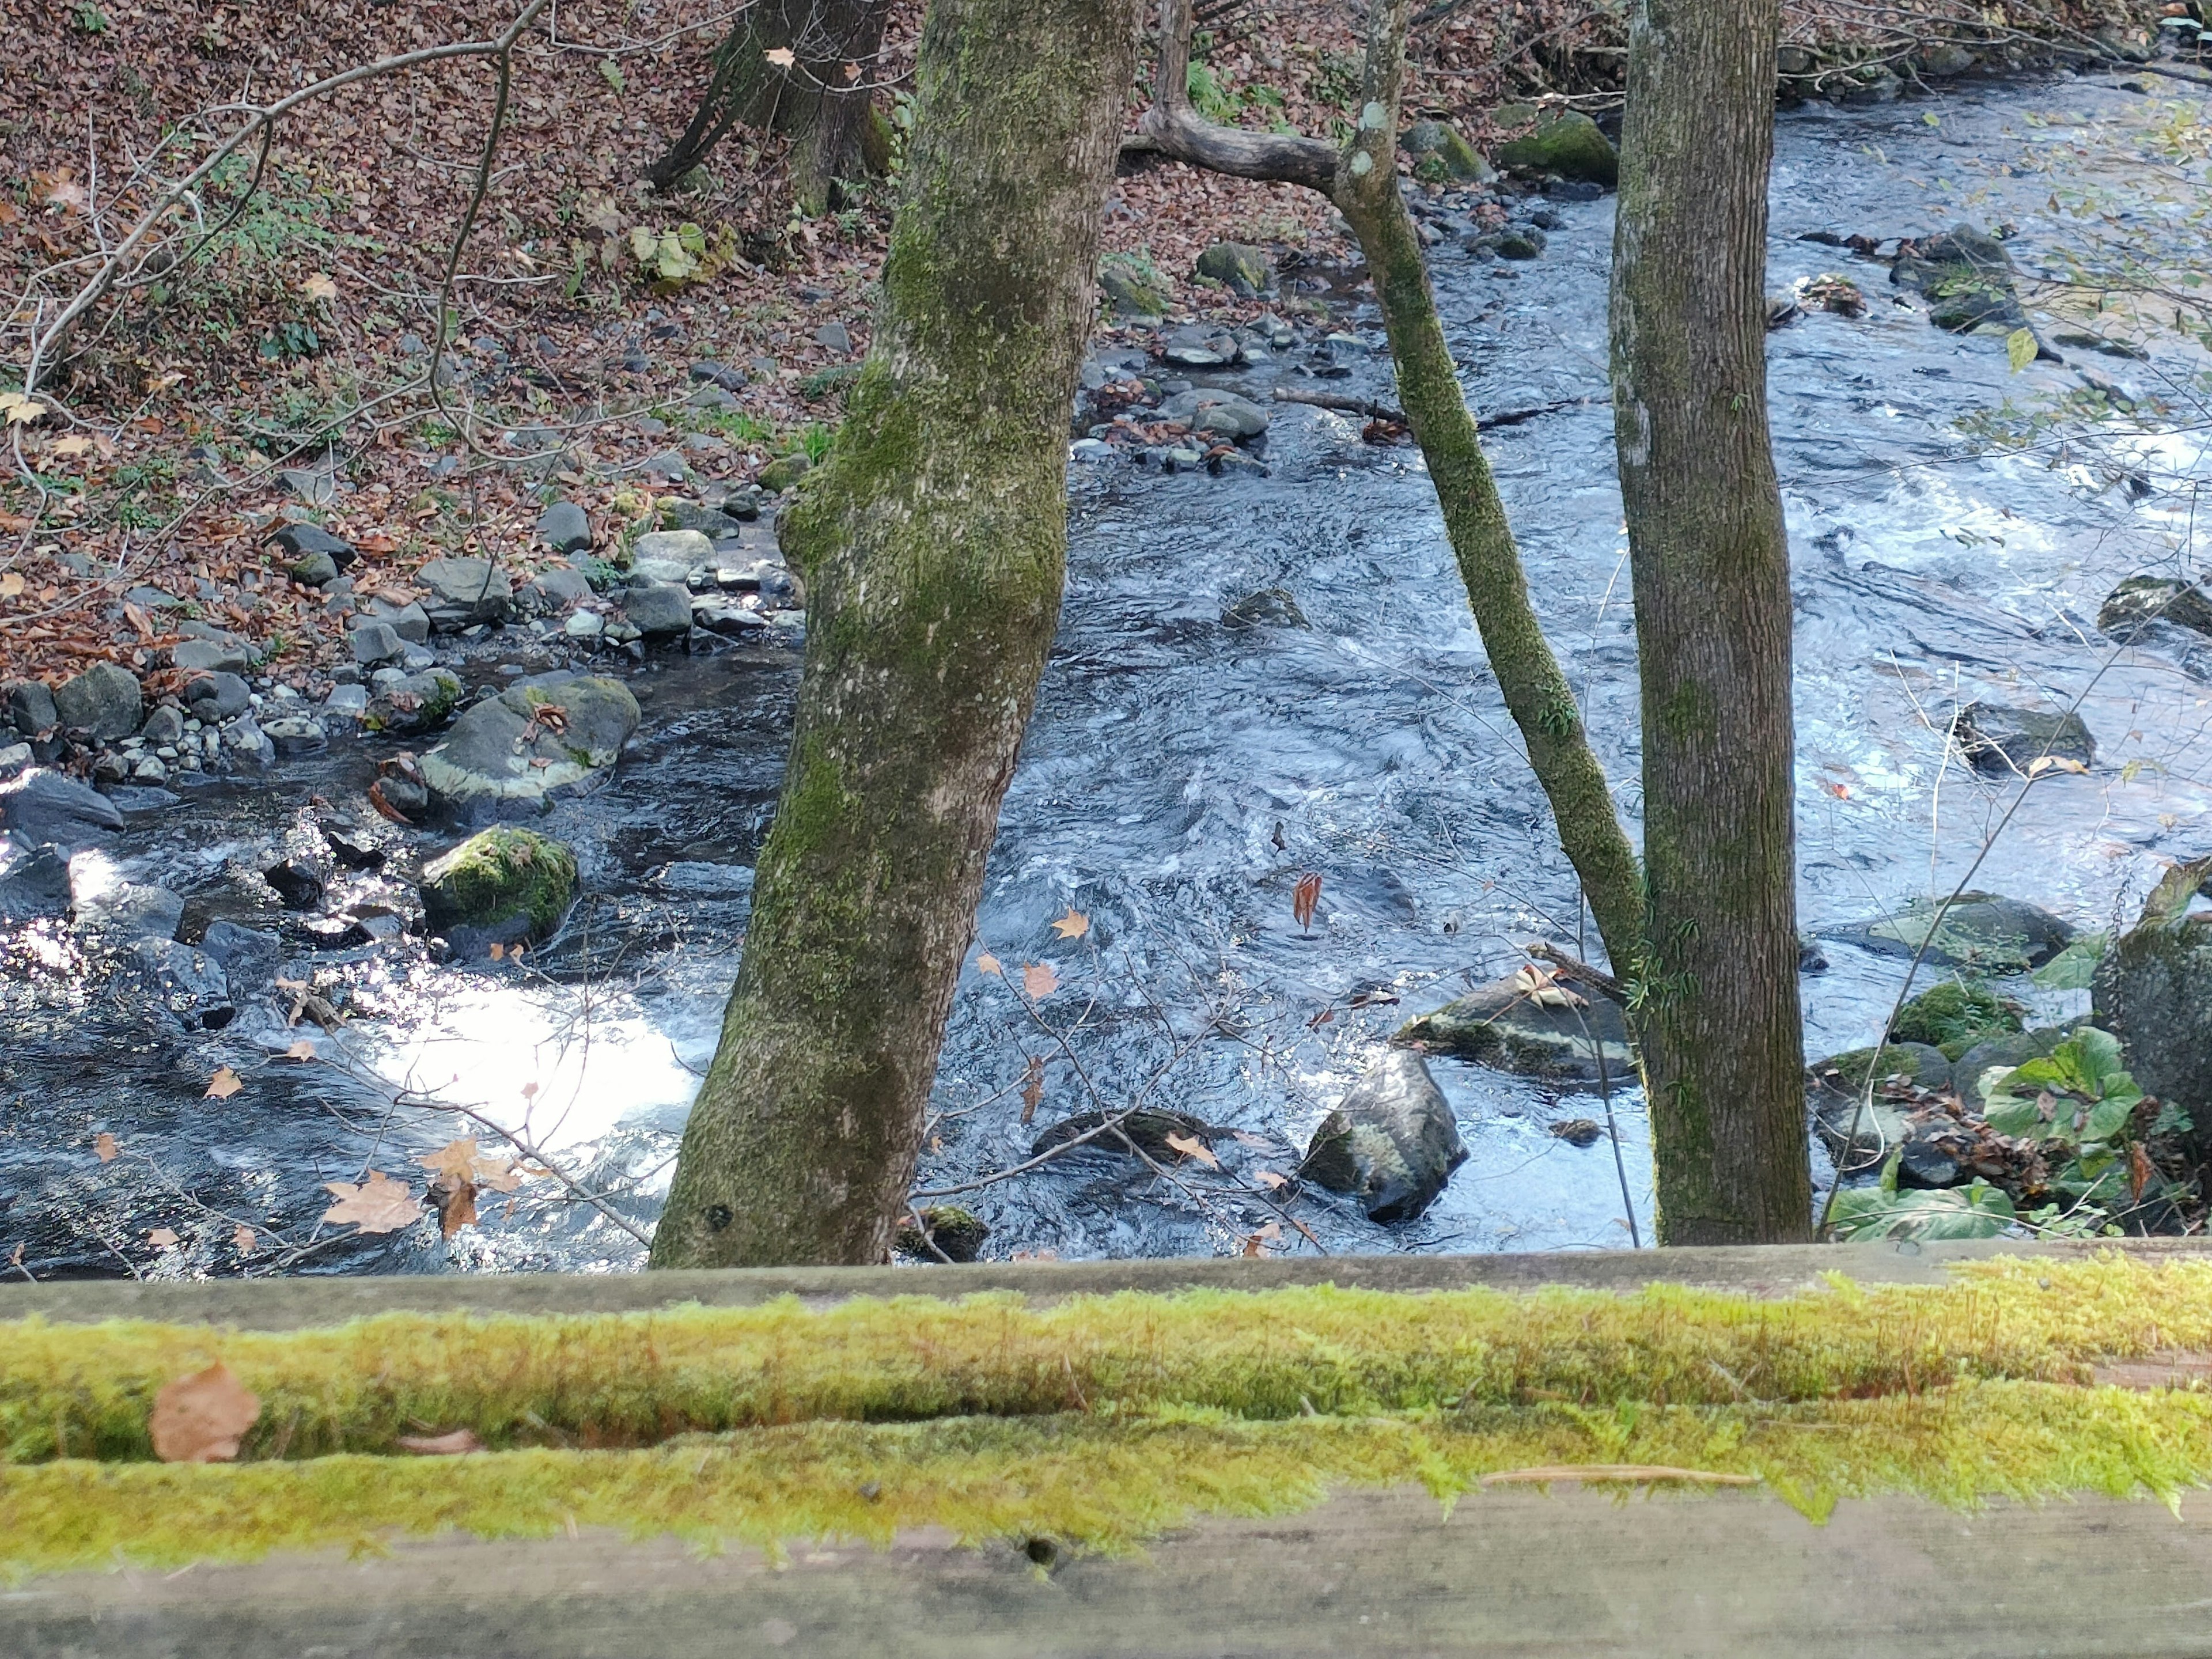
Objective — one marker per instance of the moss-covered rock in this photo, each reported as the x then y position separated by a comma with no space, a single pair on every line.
504,884
1391,1143
547,736
1546,1032
1982,931
1441,155
1569,144
779,474
1238,265
1134,290
1954,1015
956,1234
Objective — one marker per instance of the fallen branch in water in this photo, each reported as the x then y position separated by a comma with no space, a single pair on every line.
1340,404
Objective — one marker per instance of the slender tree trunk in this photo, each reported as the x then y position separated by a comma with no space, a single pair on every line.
1719,1020
932,545
824,109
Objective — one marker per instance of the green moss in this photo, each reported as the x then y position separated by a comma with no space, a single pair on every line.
1954,1015
502,879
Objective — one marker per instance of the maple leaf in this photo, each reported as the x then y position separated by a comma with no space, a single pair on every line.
1038,980
20,411
200,1419
1074,925
1191,1146
162,1238
457,1204
1270,1180
244,1239
987,964
303,1050
223,1084
1303,897
457,1158
319,286
11,586
103,1146
1541,987
2044,764
75,444
781,57
458,1443
377,1204
1256,1244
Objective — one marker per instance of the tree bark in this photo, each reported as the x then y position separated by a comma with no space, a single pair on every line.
932,545
1718,1015
825,111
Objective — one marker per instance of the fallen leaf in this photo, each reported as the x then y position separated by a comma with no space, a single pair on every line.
200,1419
222,1086
1074,925
19,409
1541,987
378,1205
103,1145
1303,897
319,286
1270,1180
162,1238
244,1239
1038,980
987,964
498,951
457,1158
2043,763
781,57
1639,1472
1841,791
303,1050
11,586
458,1443
457,1204
1191,1146
1256,1244
1033,1088
75,444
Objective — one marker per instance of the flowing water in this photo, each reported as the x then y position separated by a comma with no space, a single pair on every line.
1181,777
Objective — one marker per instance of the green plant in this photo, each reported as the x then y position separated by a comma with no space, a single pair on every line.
816,441
823,381
2082,1100
1976,1211
89,20
1954,1015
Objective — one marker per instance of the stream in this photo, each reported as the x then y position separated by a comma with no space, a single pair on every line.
1180,776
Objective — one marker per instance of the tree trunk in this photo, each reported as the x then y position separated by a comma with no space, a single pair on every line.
824,110
932,546
1719,1021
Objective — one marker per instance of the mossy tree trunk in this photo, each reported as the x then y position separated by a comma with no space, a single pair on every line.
1720,1025
820,98
1362,180
932,545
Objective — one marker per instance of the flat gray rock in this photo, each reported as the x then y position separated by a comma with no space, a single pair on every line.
464,592
532,742
1538,1030
39,808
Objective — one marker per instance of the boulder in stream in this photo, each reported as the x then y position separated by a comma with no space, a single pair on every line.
2143,602
1443,155
1144,1130
1239,266
1967,277
1835,1087
464,592
1954,1015
1392,1142
505,885
1984,931
39,808
1999,740
1569,144
1515,1025
105,699
414,702
549,736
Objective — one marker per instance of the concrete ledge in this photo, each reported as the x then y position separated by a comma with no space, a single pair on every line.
293,1304
1514,1572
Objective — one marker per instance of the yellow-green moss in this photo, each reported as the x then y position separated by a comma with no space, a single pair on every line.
1099,1420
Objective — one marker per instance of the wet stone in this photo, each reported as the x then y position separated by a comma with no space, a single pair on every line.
1391,1143
39,807
1271,607
2141,603
1985,930
1999,740
1548,1031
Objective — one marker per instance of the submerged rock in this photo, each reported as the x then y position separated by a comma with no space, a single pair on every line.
1967,277
1146,1130
1271,607
2141,602
416,703
548,737
1392,1142
1569,144
1548,1031
35,884
504,885
1999,740
1986,931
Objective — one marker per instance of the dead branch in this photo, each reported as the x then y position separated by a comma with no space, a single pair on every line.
1178,130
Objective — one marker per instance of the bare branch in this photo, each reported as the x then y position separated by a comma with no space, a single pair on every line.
1178,130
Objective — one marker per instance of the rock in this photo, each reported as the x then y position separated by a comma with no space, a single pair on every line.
1520,244
1441,155
463,591
666,464
1146,1130
1968,1070
658,610
956,1233
835,336
295,735
1271,607
105,699
39,807
710,396
1224,414
1836,1086
166,725
410,620
1875,84
1569,144
779,474
502,885
584,625
414,702
122,913
1092,451
709,521
216,697
486,762
36,884
2141,601
719,616
13,759
1967,277
244,741
1134,292
301,540
298,883
1945,59
314,570
1391,1143
1195,345
249,959
2153,990
1954,1015
1998,740
557,589
686,549
376,643
714,373
566,528
181,981
1505,1024
1985,930
349,700
1238,266
209,657
31,708
1934,1155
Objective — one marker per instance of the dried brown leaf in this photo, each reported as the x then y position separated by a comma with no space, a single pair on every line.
1191,1146
1303,897
458,1443
377,1204
104,1148
1074,925
1033,1088
1038,980
162,1238
223,1084
200,1419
